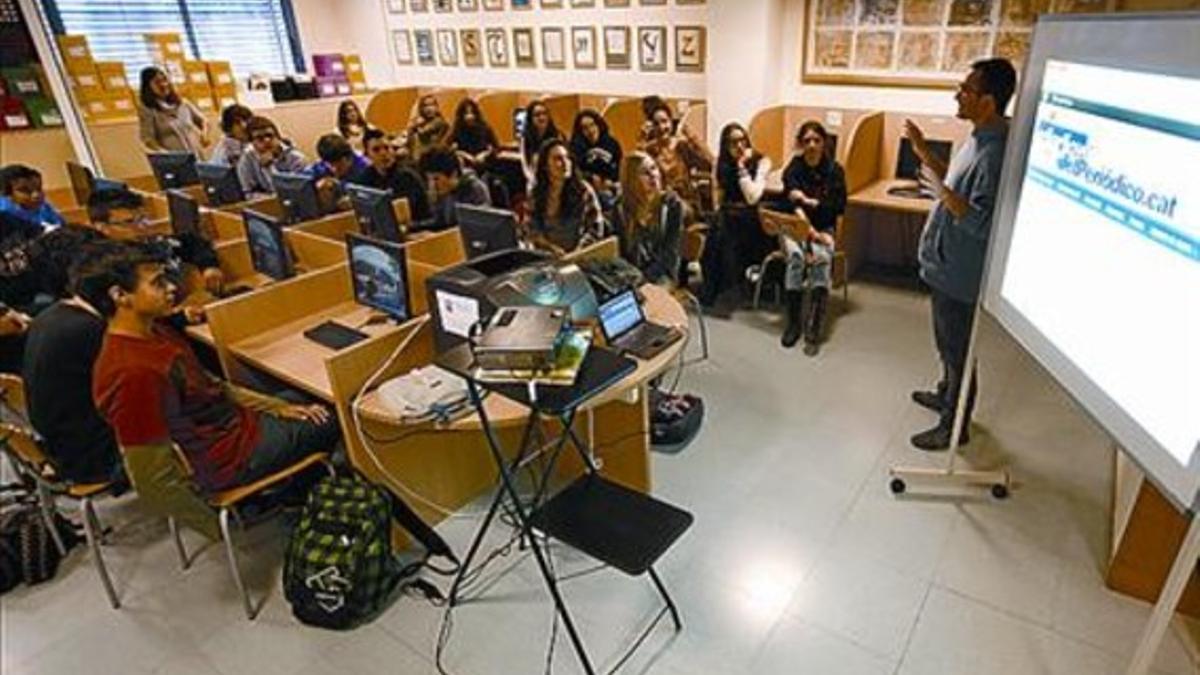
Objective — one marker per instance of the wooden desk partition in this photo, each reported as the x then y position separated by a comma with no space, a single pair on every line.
227,223
773,130
334,227
390,109
767,131
497,107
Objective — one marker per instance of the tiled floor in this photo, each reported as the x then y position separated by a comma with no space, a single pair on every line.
800,560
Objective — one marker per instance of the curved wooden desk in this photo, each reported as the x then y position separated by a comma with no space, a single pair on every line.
450,464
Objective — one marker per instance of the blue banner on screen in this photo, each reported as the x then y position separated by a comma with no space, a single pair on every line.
1106,239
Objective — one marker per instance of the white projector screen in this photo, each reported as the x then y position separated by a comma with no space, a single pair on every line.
1095,259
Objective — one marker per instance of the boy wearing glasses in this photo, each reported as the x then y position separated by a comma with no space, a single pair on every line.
267,152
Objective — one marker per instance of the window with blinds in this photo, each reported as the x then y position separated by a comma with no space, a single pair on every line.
253,35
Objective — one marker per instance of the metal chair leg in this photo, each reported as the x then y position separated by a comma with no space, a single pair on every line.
184,562
758,287
662,590
92,529
694,303
233,564
46,506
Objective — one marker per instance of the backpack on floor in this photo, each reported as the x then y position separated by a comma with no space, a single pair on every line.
674,418
340,570
27,550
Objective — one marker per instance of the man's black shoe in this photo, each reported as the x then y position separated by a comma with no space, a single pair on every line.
928,399
937,439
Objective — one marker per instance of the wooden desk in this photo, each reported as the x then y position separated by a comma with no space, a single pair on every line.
875,195
886,228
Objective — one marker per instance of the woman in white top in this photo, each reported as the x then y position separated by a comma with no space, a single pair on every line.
351,124
167,122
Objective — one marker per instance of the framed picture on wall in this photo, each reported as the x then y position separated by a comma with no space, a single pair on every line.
690,49
616,3
583,46
493,5
583,3
523,50
496,42
418,6
402,43
472,47
397,6
522,4
652,48
553,53
616,47
644,3
689,2
552,4
447,41
443,6
423,39
468,5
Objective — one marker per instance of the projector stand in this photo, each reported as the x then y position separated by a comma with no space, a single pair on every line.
1168,600
951,476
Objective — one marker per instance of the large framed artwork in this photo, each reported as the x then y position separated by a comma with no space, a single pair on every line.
616,47
652,48
553,54
497,47
920,42
523,50
472,47
583,46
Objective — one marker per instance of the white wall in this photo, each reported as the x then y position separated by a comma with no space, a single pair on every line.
348,27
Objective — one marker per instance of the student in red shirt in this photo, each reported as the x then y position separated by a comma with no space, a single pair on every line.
152,390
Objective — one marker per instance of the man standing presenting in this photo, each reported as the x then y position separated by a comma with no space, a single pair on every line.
954,242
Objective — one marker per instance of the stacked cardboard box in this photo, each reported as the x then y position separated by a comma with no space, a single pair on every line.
166,49
101,89
112,75
220,79
355,73
197,88
331,79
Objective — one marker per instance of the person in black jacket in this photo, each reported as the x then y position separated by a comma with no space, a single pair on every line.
596,152
384,172
815,186
651,220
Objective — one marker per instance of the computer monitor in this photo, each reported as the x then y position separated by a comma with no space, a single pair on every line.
221,184
82,182
173,169
831,145
908,166
519,115
268,249
184,212
379,271
298,196
376,217
485,229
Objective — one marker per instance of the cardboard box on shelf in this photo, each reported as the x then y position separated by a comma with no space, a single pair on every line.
112,75
329,65
86,86
359,86
165,46
175,70
22,81
196,73
122,103
224,99
354,67
76,53
42,112
220,74
12,114
327,87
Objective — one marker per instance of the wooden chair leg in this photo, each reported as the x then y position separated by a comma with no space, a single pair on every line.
92,529
236,571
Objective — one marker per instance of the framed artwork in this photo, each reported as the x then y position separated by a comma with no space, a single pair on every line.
552,4
583,46
689,2
418,5
645,3
916,42
583,3
423,40
1083,6
523,51
652,48
616,3
402,42
616,47
397,6
690,47
493,5
496,42
553,53
468,5
443,6
472,47
447,42
522,4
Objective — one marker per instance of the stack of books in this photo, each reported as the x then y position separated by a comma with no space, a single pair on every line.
569,354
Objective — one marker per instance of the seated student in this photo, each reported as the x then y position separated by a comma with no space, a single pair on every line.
18,287
338,165
652,220
451,186
120,214
267,152
739,242
151,389
472,137
235,120
597,155
566,214
427,129
539,128
815,186
384,172
351,123
680,153
21,195
61,348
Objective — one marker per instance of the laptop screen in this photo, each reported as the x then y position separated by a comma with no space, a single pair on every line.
620,315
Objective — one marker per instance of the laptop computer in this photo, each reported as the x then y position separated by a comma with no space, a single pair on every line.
626,328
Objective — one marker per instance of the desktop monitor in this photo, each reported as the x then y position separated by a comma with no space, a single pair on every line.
173,169
831,145
376,217
519,115
268,250
298,195
184,212
379,271
485,230
83,183
908,166
221,184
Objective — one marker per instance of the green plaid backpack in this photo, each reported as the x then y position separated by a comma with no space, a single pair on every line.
340,569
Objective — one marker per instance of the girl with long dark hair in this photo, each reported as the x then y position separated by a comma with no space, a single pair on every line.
539,128
167,122
351,123
566,214
471,136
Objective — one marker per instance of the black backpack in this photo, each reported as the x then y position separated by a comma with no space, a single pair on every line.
674,418
340,570
27,550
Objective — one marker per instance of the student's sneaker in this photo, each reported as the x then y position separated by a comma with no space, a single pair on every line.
938,439
928,399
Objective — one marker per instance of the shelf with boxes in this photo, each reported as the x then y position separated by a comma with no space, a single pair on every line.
25,102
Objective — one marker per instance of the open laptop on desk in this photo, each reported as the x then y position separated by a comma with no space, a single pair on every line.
626,328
